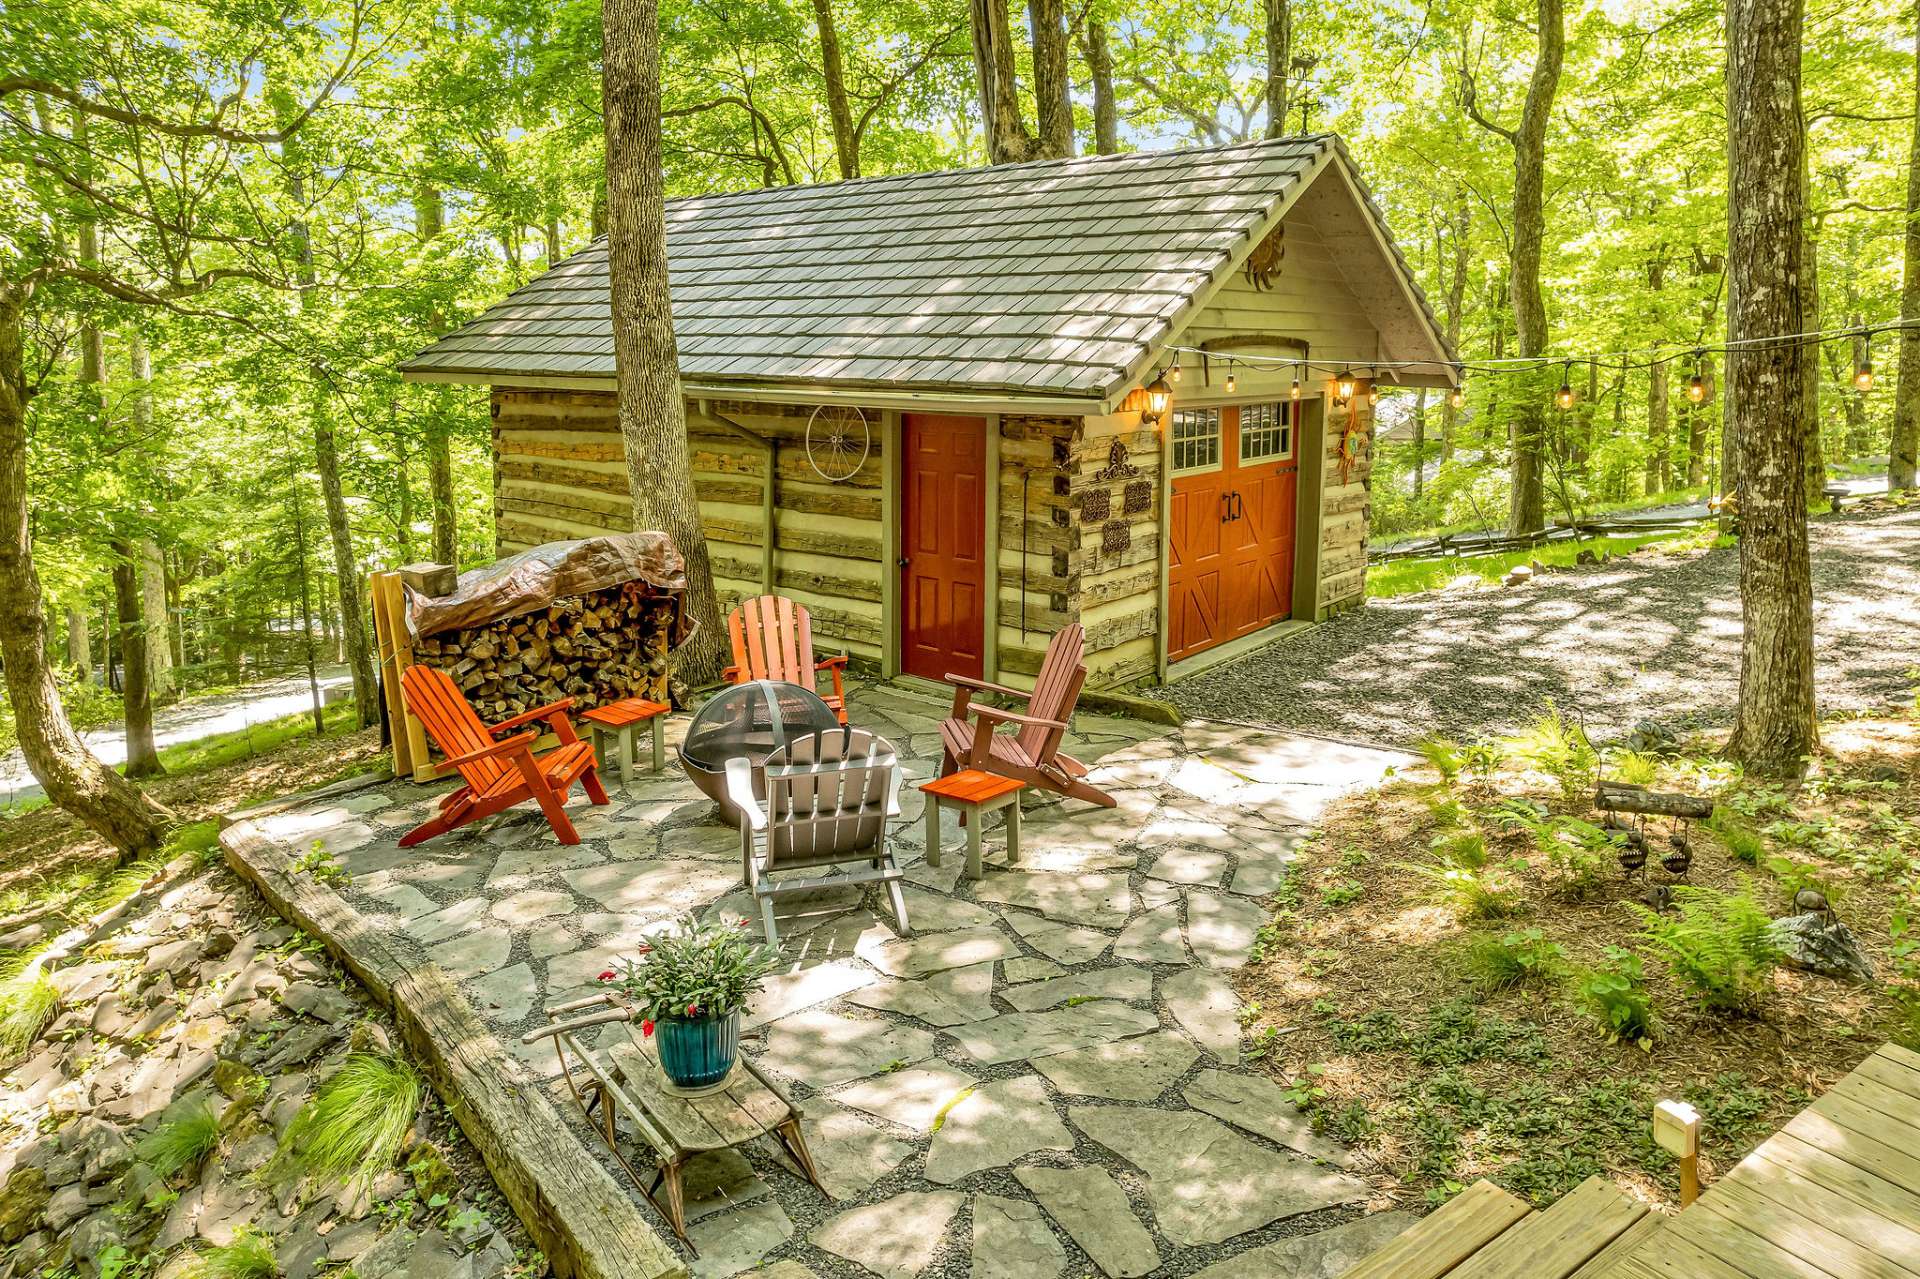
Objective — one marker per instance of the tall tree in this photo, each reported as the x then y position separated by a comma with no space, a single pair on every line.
1526,506
1659,458
1903,450
833,72
1766,242
1097,51
653,427
430,222
994,56
1279,14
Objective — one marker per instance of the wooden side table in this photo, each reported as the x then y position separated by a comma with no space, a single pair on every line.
975,794
623,1082
619,720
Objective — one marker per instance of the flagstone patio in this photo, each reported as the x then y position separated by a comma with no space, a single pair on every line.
1045,1079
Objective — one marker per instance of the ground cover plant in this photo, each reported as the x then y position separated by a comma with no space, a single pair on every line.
1495,998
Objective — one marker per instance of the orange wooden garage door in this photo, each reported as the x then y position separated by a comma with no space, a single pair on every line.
1230,523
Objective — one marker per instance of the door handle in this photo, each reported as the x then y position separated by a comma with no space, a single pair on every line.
903,561
1226,507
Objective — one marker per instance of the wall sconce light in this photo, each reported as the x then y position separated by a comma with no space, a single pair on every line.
1158,396
1343,390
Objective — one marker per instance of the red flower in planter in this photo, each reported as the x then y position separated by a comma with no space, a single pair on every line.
646,1029
644,949
607,975
693,1010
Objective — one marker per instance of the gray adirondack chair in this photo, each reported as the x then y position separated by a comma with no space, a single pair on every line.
829,798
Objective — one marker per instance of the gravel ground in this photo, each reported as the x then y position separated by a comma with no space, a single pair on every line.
1642,637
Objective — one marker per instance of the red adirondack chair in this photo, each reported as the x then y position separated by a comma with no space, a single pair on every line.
773,639
498,774
1031,753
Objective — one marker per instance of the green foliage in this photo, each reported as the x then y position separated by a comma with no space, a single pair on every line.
1742,841
181,1141
1343,892
1583,857
1443,753
1615,994
353,1127
27,1003
1413,576
1717,947
1555,745
1505,960
249,1256
695,969
1632,767
322,865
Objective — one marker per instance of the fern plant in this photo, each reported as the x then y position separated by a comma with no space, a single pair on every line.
1504,961
1443,753
1718,947
1556,745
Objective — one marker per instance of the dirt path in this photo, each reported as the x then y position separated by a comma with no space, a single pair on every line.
1642,637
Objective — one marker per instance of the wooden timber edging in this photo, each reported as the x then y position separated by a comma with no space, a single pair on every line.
583,1220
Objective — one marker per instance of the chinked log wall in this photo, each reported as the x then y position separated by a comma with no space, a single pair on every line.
1345,509
560,473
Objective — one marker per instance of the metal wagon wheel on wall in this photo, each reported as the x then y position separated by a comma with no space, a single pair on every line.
838,440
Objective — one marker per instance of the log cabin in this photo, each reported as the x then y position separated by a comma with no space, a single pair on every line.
953,412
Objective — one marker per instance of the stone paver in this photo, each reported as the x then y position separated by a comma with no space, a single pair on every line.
897,1238
1011,1240
1259,1105
881,1037
910,1098
994,1125
1090,1206
1130,1070
1207,1182
1326,1255
1206,1008
1017,1036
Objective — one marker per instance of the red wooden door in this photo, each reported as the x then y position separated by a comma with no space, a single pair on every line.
943,545
1230,524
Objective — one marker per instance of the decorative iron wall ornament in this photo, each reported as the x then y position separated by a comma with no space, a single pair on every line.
1138,498
1115,537
1264,262
1117,467
1095,505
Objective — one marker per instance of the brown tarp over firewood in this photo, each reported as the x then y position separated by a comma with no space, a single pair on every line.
535,578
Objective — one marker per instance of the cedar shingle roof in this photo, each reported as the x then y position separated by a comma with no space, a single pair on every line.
1056,278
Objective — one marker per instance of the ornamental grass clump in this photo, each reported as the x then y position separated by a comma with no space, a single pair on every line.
356,1123
181,1141
27,1003
249,1256
694,970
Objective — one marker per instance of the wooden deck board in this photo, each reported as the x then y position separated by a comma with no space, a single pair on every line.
1435,1244
1632,1237
1555,1243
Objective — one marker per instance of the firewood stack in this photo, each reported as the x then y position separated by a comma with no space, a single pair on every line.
595,648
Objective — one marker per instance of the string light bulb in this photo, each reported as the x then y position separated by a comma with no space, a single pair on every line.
1173,374
1563,398
1458,398
1233,383
1296,388
1373,395
1697,384
1863,375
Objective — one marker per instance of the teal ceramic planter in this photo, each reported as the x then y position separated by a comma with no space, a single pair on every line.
698,1052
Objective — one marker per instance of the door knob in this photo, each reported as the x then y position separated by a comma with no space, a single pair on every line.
903,561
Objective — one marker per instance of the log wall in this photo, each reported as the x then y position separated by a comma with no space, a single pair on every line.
1346,504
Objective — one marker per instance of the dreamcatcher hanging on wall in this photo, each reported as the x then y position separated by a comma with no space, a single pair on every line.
838,441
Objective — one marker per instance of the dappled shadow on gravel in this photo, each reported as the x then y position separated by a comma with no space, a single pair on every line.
1644,637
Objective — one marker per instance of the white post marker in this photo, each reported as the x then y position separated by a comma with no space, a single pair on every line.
1676,1130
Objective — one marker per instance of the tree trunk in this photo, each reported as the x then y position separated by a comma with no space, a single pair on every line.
1657,456
1052,86
1008,141
846,145
79,643
1766,193
403,517
1461,226
74,779
1526,512
129,609
1419,441
152,560
1099,56
1903,449
1815,480
1279,61
653,426
353,626
429,220
1698,419
1859,440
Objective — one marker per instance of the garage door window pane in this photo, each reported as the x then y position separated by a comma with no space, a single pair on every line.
1196,439
1266,432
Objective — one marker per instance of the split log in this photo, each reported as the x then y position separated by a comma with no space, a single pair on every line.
430,579
1624,797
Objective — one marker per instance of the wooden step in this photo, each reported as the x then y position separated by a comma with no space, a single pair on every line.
1440,1241
1555,1243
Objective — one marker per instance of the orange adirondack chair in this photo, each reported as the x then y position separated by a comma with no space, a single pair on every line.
1031,753
773,639
498,774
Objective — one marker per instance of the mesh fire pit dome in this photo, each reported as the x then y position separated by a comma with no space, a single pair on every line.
748,721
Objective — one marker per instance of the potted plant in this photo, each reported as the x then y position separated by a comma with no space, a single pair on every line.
690,984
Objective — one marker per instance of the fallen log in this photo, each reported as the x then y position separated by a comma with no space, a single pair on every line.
1624,797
